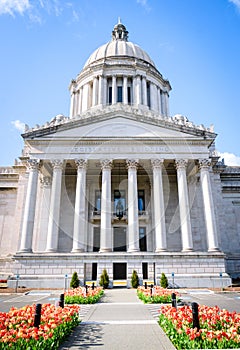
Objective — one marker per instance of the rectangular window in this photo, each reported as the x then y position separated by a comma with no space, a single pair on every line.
145,270
119,239
119,202
94,271
141,202
129,95
119,94
110,95
148,95
96,239
97,208
142,239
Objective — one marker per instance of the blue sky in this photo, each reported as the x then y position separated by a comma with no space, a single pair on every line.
194,43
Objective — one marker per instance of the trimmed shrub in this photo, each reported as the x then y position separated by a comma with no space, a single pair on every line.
163,281
104,279
135,279
75,280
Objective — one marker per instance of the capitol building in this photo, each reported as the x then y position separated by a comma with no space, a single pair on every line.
120,185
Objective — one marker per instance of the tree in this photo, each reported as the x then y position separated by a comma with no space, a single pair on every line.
104,279
135,279
75,280
163,281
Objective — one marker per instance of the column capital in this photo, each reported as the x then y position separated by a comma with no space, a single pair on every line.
204,163
181,163
33,164
57,163
45,181
157,163
132,163
106,164
81,163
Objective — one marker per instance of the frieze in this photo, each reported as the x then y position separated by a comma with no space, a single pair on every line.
119,149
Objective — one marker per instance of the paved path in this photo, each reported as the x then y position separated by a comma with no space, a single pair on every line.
120,321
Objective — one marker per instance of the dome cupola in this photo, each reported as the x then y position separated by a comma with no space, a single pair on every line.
119,72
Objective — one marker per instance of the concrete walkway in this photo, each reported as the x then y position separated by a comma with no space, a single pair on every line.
119,321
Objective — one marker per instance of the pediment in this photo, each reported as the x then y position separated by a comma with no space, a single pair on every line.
119,127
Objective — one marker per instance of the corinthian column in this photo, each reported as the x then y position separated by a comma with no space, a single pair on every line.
144,91
53,223
210,218
159,209
95,92
184,208
138,90
106,213
80,208
133,226
30,204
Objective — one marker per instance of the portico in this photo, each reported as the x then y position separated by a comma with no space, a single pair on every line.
100,186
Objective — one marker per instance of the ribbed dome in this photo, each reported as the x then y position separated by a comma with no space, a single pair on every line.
119,46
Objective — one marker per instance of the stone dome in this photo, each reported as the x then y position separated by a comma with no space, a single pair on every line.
119,46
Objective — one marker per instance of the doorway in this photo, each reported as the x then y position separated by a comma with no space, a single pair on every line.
119,271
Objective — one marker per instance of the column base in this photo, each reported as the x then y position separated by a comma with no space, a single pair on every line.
77,250
160,250
133,250
187,250
213,250
26,250
51,251
105,250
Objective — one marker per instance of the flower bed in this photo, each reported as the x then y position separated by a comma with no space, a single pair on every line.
79,295
17,329
159,295
219,329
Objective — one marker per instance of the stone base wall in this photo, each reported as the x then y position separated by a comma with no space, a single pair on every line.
192,270
233,265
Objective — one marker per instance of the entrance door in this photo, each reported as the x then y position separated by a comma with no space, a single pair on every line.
119,239
119,271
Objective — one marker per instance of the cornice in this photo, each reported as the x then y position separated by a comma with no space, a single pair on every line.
104,113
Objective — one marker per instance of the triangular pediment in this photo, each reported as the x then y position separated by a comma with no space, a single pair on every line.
118,127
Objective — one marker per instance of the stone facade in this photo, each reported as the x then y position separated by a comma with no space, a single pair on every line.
121,185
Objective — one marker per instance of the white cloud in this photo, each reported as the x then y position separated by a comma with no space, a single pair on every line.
236,3
36,9
13,7
144,3
230,159
18,125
